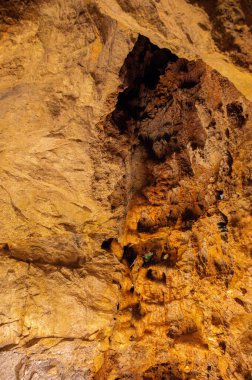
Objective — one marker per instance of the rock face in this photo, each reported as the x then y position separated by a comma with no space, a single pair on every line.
184,294
125,190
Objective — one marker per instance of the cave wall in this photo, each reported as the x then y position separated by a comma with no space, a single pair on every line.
125,215
185,305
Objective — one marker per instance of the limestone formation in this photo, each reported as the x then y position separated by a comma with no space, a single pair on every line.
125,239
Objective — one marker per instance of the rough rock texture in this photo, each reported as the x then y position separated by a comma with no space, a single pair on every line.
184,310
125,241
231,28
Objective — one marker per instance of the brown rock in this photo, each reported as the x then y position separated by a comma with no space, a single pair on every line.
125,190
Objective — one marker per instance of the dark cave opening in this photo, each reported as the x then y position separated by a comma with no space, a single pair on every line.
189,216
142,69
106,244
129,254
159,92
153,114
145,63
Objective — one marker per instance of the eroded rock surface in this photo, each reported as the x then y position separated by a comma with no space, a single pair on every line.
125,187
183,303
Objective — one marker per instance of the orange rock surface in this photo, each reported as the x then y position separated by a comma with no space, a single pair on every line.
125,162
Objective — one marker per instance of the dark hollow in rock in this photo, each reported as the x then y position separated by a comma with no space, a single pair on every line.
230,163
239,301
222,226
149,275
6,247
153,276
106,244
136,311
188,83
188,218
219,194
163,278
223,346
132,288
129,254
235,111
143,67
